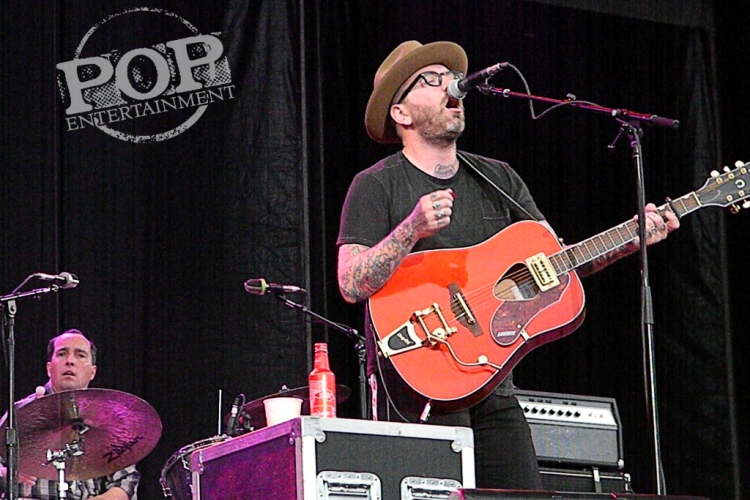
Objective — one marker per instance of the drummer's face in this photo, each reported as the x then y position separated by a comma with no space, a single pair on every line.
70,367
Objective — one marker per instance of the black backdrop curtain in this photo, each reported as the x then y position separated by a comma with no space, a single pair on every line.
163,233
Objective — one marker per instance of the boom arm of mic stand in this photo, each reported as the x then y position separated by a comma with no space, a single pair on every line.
615,112
359,347
30,293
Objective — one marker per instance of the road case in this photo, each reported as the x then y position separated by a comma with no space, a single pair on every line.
315,458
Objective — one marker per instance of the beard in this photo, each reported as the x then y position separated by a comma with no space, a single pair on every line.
437,127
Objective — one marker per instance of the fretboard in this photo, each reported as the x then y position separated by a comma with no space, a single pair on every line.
584,252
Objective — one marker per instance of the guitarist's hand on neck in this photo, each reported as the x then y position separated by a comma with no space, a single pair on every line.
658,226
363,270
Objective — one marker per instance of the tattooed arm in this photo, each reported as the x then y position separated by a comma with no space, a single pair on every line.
363,270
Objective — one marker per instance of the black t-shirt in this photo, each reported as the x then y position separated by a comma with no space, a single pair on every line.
382,196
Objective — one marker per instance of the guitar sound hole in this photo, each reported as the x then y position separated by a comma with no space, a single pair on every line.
516,284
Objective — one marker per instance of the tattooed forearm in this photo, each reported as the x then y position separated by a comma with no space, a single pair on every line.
606,259
362,271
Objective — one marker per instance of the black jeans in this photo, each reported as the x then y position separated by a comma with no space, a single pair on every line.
503,448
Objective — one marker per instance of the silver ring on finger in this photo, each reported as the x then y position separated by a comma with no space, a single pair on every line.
436,205
439,215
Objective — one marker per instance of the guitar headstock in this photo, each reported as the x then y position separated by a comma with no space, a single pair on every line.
727,189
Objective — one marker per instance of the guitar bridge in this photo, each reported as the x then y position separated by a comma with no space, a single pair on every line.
461,310
542,271
405,338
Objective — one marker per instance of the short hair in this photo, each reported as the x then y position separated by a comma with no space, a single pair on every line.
72,331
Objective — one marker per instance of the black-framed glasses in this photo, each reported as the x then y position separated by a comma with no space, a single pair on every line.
431,78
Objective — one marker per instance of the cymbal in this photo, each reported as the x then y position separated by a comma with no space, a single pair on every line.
257,412
102,431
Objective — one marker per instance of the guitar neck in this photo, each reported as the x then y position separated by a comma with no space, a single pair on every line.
587,250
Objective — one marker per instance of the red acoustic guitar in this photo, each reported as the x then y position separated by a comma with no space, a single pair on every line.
454,322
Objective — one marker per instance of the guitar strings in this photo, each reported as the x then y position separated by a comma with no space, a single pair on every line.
521,279
479,297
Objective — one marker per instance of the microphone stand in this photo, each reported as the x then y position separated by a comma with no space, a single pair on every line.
630,122
8,306
359,347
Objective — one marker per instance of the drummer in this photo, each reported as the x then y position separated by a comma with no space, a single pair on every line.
71,365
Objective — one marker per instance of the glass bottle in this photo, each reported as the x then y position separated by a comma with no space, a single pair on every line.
322,382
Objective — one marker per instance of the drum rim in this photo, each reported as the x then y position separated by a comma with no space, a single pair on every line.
179,454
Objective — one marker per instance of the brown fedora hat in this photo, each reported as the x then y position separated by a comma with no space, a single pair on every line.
398,66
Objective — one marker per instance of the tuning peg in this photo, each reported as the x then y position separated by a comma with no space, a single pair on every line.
739,163
714,173
733,209
746,205
727,169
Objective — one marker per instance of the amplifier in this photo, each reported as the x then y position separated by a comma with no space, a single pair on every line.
571,429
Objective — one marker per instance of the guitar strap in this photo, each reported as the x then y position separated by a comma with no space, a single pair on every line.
475,168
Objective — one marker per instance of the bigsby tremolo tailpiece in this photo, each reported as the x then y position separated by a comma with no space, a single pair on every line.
405,338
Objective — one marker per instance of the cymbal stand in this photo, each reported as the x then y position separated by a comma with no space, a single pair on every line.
58,458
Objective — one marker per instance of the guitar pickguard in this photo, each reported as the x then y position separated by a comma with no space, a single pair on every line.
510,319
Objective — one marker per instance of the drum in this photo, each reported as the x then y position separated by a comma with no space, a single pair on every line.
176,480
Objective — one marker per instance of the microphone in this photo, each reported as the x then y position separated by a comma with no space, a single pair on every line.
259,286
62,280
458,89
232,422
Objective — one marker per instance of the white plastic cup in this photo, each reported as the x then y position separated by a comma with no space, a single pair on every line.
281,409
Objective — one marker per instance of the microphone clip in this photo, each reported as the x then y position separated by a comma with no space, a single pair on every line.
259,286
